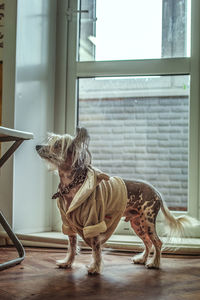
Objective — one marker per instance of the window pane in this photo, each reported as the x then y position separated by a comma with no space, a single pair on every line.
139,130
134,29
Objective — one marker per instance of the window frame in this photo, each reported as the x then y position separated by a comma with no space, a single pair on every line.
164,66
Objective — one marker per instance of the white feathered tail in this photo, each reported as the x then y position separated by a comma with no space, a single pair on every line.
177,225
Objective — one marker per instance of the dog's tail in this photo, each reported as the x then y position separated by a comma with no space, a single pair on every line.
177,225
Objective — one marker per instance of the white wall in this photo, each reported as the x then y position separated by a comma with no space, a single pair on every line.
33,107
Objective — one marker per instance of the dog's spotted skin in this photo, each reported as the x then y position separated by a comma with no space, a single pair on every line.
142,208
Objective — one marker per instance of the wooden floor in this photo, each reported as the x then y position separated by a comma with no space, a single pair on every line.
38,278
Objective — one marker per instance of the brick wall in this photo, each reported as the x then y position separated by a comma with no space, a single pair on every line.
141,138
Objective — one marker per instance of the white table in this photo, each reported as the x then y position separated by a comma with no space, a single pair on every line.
9,135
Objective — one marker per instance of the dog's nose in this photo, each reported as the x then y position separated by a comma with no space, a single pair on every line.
38,147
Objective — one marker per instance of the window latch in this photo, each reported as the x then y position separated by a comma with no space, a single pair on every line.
70,12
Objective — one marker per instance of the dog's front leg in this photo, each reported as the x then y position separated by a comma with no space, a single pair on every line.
96,265
69,259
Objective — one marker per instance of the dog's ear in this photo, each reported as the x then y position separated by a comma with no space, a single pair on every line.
82,137
79,148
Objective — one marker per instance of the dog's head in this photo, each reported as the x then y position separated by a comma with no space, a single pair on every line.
64,151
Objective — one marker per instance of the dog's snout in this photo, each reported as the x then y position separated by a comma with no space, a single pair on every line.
38,147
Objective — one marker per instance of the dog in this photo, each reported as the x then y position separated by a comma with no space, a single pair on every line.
91,203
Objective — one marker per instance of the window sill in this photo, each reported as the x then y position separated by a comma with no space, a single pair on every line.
116,242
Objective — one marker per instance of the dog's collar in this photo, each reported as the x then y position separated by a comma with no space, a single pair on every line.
66,189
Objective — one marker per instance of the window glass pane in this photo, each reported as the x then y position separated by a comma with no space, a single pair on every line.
134,29
139,130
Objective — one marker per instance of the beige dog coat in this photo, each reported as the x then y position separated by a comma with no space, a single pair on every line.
96,208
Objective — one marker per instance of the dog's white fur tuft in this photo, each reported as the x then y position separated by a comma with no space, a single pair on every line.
176,225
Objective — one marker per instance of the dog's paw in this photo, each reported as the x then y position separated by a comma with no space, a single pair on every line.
152,265
139,259
94,269
64,264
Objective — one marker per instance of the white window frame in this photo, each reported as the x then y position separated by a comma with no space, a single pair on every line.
167,66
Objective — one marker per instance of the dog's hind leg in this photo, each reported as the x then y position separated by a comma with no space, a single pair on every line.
69,259
141,258
96,265
154,263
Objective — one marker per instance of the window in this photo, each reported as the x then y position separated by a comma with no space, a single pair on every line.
133,77
132,29
139,129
